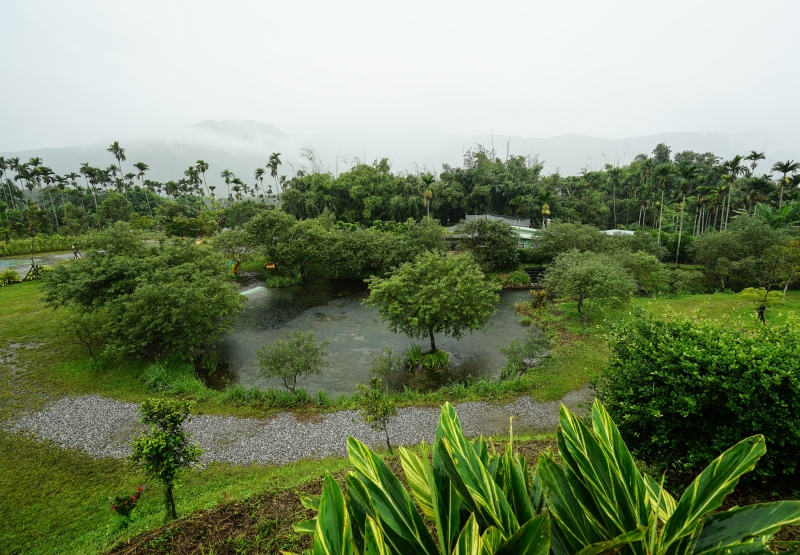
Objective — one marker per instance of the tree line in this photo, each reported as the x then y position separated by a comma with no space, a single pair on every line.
685,193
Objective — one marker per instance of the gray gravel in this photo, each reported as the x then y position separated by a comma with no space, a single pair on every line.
104,428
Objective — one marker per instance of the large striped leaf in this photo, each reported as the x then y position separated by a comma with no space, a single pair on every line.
532,538
614,545
419,475
359,505
634,490
512,479
401,523
309,501
305,526
730,528
469,541
708,490
492,538
618,491
374,542
660,499
572,530
333,535
581,489
478,489
446,501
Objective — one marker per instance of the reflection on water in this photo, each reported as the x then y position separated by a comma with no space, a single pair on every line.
333,310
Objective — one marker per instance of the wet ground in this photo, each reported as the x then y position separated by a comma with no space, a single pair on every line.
334,310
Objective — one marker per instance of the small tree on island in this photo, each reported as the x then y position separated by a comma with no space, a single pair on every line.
376,408
434,294
165,453
296,356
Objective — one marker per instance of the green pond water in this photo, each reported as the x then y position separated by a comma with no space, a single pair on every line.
334,310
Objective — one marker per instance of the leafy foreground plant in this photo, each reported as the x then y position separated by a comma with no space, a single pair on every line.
594,502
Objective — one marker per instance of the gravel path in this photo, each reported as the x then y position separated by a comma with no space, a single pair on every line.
104,427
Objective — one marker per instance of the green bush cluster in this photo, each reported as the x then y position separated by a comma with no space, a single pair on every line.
519,277
683,389
436,362
9,276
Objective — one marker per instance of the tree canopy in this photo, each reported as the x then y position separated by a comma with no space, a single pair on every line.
436,293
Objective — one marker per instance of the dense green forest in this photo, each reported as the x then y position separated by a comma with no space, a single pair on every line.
675,197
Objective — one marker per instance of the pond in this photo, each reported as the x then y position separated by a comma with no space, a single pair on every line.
23,263
334,310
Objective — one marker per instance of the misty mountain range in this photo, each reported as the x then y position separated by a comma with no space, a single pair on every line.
241,146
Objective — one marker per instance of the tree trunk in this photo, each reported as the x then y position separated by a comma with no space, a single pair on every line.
389,445
680,231
660,216
433,341
169,501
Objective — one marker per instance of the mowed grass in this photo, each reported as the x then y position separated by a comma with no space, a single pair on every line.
59,501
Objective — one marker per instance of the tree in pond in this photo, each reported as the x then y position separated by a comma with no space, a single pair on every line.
296,356
434,294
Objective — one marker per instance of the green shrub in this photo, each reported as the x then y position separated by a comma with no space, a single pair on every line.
686,282
9,276
682,390
435,362
414,355
175,378
525,321
282,281
519,277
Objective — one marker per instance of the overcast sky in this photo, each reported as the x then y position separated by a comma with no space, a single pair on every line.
82,71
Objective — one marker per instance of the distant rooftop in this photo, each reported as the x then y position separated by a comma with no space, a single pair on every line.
510,220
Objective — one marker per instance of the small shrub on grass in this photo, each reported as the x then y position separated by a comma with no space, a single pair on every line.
175,378
9,276
165,453
376,408
683,390
124,506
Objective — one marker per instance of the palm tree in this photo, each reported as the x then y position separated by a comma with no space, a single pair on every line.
274,162
87,171
118,152
614,174
733,169
202,167
785,168
688,174
428,179
662,173
227,175
43,173
259,175
753,158
142,167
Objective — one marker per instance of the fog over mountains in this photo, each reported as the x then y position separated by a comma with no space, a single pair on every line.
241,146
